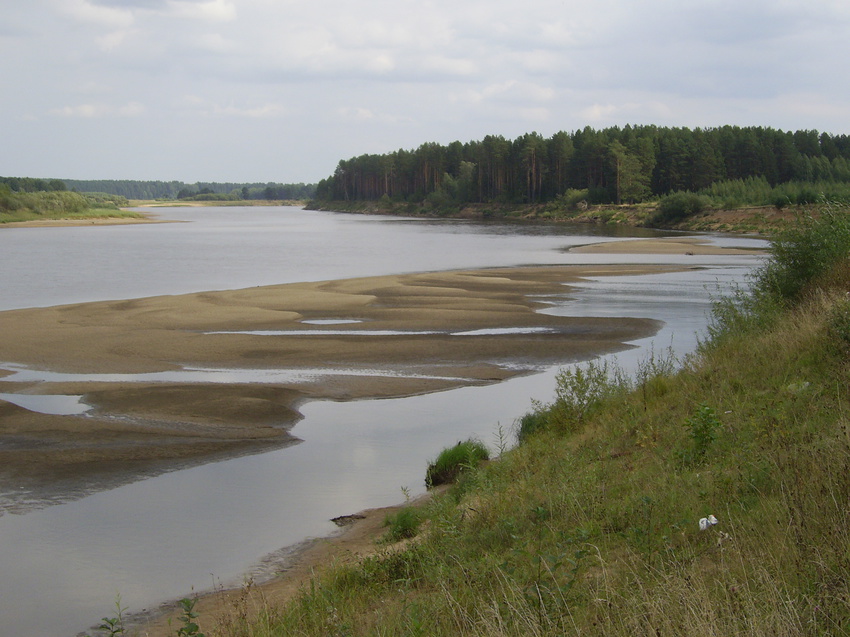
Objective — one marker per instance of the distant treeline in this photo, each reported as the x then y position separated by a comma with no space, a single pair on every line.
179,190
614,165
133,189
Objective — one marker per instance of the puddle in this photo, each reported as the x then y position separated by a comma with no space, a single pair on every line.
55,405
19,373
331,321
500,331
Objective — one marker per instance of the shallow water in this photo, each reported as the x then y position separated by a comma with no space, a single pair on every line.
61,567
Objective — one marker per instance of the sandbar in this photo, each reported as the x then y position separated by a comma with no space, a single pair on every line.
429,332
665,245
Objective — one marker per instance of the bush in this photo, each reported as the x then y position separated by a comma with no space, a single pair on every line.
454,460
804,253
679,205
532,423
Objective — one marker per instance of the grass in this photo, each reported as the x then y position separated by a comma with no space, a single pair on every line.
453,461
589,526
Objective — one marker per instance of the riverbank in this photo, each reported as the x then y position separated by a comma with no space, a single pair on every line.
709,500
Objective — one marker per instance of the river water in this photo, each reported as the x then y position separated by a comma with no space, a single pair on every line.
61,567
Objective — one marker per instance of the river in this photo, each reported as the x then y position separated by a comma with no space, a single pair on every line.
61,567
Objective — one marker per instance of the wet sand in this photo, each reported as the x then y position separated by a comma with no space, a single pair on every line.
666,245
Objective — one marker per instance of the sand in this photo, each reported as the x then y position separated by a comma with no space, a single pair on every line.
140,427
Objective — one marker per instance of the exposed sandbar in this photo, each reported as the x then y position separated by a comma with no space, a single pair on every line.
140,426
665,245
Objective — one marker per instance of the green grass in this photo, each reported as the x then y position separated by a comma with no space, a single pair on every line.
453,461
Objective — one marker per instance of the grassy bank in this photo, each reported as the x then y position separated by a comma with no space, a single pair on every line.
591,524
60,205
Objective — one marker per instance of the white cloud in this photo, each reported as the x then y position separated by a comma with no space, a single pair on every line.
257,112
99,110
212,11
85,11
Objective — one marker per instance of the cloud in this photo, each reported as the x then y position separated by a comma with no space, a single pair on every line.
99,110
211,10
99,14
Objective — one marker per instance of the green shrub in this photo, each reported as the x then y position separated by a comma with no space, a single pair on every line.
454,460
532,423
805,252
702,428
678,206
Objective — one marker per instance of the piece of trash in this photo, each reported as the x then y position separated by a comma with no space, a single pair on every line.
705,523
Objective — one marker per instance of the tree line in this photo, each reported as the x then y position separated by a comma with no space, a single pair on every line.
135,189
613,165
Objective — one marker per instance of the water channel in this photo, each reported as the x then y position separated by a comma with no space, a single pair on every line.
62,566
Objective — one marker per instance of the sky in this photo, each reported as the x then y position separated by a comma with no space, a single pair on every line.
281,90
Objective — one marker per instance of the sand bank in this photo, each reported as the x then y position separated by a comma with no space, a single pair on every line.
666,245
141,425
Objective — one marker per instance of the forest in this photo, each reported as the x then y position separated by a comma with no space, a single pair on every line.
614,165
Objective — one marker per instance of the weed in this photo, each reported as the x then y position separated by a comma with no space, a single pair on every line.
404,524
113,626
189,628
702,428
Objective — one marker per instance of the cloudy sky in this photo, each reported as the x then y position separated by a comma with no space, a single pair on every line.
280,90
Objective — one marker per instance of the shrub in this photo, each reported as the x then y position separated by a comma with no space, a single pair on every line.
702,428
679,205
454,460
804,253
532,423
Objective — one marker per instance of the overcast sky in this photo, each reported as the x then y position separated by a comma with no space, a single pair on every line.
281,90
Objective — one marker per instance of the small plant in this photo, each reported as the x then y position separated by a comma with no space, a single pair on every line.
839,320
402,525
113,626
703,426
189,628
582,388
532,422
453,461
